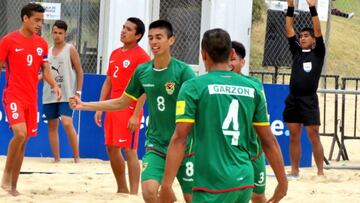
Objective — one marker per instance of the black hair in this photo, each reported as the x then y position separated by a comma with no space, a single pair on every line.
60,24
309,30
217,43
239,49
140,27
163,24
30,8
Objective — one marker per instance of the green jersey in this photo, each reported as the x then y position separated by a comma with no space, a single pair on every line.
161,88
224,106
254,142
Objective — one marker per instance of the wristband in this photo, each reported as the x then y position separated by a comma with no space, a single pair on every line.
313,11
290,12
78,92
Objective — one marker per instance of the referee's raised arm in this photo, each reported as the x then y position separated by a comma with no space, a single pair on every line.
290,19
315,18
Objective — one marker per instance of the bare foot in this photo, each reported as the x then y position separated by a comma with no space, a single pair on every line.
14,192
293,173
56,161
7,188
5,183
320,173
76,160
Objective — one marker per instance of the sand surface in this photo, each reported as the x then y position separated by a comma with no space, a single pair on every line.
92,181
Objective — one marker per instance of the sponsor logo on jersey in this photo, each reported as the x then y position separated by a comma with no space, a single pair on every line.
15,116
18,49
121,140
148,85
126,63
56,69
231,90
240,178
39,51
170,87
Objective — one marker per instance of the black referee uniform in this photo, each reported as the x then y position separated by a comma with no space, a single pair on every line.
302,104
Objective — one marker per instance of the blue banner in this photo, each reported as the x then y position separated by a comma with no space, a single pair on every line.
275,96
91,137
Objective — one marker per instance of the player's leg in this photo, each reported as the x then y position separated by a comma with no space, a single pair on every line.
295,147
54,138
258,195
185,177
13,154
258,198
28,129
317,148
112,142
311,114
133,164
71,134
67,122
187,197
132,159
150,190
153,166
17,167
293,120
118,167
51,115
15,113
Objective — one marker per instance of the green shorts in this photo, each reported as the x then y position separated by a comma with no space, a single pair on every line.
237,196
153,167
259,174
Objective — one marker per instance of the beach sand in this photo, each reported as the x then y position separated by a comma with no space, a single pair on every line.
92,181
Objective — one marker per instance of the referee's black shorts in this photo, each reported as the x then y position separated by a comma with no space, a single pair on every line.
302,109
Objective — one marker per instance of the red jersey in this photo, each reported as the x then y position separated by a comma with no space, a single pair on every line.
122,64
24,58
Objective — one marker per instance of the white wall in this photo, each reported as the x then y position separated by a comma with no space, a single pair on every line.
112,17
233,16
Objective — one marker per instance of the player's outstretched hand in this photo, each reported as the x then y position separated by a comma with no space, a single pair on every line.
311,2
75,102
167,195
97,118
58,93
133,123
279,193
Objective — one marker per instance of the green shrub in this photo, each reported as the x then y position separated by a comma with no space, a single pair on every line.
258,7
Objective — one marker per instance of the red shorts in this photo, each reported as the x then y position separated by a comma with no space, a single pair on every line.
21,112
117,132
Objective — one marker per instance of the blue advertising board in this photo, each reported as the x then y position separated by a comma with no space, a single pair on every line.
275,96
91,137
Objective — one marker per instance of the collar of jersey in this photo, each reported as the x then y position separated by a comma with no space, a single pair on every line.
159,70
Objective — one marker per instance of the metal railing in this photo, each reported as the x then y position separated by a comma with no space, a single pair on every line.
337,121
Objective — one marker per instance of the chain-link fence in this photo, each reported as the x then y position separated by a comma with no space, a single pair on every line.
82,17
10,19
185,16
276,49
269,46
